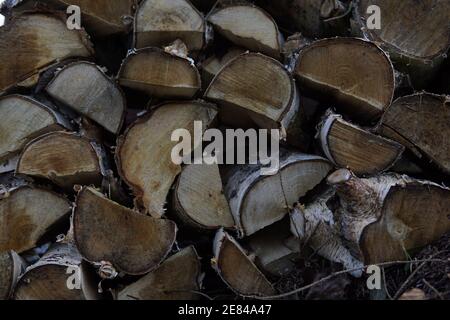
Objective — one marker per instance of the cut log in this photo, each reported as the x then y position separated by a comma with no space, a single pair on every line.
177,278
11,267
199,200
420,121
212,65
100,18
258,201
160,22
26,215
58,275
383,218
314,18
416,34
64,158
249,27
256,88
85,88
160,74
27,44
24,119
106,231
349,146
236,269
146,164
353,74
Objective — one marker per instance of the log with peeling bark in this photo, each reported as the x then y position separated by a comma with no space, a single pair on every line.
146,164
27,44
106,231
236,268
64,158
249,27
353,74
160,22
58,275
11,267
420,122
177,278
416,34
160,74
349,146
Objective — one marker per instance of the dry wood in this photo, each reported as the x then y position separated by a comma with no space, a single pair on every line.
355,74
416,34
421,123
160,74
249,27
349,146
27,44
85,88
160,22
131,242
258,89
146,164
24,119
199,200
49,278
11,267
236,269
212,66
26,214
177,278
64,158
258,201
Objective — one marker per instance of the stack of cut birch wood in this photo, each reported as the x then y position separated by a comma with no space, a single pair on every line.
93,207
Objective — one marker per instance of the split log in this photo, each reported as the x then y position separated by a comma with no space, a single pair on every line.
160,22
100,17
249,27
64,158
199,200
131,242
177,278
137,155
58,275
420,122
85,88
160,74
349,146
384,217
212,65
355,75
11,267
24,119
258,201
236,269
27,44
26,215
415,34
255,89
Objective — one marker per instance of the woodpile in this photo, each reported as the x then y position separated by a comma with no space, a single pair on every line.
93,204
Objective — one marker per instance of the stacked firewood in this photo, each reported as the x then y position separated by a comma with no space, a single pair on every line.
92,205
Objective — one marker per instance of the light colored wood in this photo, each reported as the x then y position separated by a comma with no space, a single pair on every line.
85,88
11,267
236,269
249,27
26,214
199,199
160,22
106,231
24,119
146,164
28,44
177,278
160,74
352,147
353,74
64,158
213,64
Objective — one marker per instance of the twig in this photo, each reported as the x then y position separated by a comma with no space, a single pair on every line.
434,289
385,285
